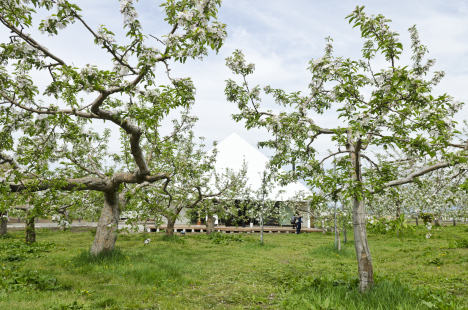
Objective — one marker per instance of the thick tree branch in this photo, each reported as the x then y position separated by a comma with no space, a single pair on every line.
411,177
88,183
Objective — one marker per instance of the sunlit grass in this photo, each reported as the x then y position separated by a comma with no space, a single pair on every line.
225,272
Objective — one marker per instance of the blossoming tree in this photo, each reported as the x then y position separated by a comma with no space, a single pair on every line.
56,148
194,182
399,111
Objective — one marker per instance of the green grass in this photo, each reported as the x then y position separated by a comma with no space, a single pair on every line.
232,272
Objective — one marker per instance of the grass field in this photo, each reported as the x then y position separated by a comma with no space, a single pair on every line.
232,272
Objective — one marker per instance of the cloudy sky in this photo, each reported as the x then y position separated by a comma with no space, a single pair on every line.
280,37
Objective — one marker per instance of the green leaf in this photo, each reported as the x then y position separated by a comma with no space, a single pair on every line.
428,304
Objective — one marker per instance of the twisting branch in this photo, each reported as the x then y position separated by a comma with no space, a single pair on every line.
30,40
113,52
333,154
369,160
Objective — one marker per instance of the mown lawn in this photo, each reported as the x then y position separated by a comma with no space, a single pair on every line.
232,272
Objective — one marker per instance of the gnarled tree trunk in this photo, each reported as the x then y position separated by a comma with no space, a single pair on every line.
170,225
3,224
106,233
30,229
210,224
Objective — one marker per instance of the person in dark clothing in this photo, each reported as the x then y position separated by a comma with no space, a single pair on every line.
293,221
298,223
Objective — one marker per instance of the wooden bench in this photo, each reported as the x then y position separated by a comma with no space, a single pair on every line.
233,229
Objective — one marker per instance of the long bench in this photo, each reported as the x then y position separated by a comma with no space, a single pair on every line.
233,229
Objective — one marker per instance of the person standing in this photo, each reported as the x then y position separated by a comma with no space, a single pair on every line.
298,223
293,221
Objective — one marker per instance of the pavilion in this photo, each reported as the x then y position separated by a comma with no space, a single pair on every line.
232,152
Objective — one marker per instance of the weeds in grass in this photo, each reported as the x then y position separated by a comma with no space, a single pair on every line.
173,238
225,239
165,272
15,278
347,250
458,243
86,257
105,303
6,236
435,261
198,274
254,244
20,250
343,293
72,306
